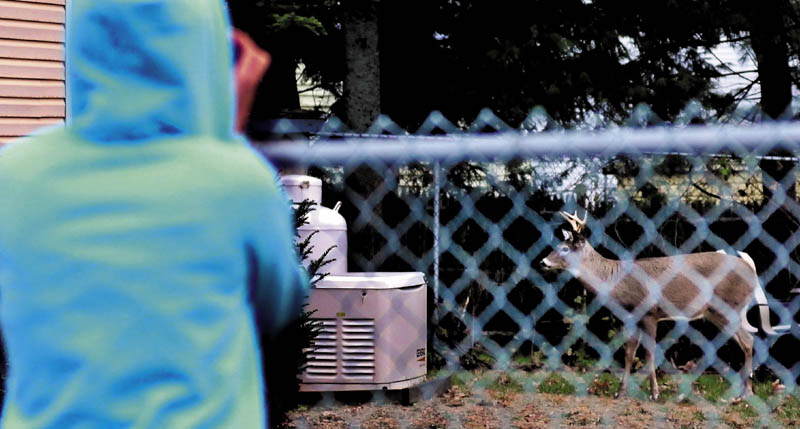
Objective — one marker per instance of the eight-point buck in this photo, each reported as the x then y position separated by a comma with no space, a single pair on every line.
709,285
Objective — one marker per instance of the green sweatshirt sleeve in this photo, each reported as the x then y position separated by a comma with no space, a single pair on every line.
278,283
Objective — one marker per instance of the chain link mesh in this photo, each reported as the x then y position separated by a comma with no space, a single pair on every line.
476,208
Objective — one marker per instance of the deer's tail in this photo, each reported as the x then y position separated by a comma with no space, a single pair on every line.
748,260
758,292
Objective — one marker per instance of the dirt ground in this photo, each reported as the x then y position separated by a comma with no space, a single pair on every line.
473,406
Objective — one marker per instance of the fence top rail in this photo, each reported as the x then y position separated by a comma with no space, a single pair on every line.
757,138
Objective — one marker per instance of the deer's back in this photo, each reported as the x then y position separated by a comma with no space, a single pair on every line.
682,279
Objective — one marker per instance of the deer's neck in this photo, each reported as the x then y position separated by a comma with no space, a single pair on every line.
596,272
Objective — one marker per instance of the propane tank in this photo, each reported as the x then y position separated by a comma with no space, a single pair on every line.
300,188
327,225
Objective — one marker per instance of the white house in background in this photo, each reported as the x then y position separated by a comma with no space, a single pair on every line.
730,60
311,96
32,92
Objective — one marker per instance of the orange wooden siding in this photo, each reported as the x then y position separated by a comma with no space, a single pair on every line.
32,89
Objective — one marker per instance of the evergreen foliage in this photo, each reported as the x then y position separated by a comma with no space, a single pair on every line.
286,354
574,58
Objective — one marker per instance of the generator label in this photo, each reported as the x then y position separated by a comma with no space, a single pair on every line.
421,355
341,314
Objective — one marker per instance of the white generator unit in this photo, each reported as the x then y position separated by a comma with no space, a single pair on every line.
373,332
373,325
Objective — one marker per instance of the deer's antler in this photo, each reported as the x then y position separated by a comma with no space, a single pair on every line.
575,222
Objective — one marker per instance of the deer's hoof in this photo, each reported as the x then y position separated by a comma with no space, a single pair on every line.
654,397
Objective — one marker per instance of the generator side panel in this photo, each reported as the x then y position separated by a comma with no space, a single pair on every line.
371,338
402,340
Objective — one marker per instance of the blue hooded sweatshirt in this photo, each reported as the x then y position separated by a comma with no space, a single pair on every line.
135,240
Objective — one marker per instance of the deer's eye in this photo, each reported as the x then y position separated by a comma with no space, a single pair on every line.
563,250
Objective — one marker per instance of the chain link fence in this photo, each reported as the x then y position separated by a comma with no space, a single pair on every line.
476,208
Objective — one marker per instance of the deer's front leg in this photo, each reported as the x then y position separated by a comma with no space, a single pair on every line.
630,352
649,328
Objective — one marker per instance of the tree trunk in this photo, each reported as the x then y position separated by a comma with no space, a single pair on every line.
768,32
362,100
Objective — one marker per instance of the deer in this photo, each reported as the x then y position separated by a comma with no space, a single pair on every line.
711,285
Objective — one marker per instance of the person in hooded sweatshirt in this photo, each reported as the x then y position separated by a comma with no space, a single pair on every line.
136,239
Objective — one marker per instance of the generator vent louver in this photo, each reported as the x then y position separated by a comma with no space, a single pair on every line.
358,348
346,347
322,359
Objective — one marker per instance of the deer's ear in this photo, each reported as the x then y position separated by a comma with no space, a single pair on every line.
567,235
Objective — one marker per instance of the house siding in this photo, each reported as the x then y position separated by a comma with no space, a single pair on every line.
32,91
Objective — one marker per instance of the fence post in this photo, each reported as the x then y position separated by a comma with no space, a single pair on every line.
436,202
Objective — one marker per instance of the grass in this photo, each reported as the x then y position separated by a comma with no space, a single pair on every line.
556,384
667,389
462,379
789,411
604,384
499,381
711,387
522,360
457,378
505,383
743,409
485,359
769,406
762,389
583,361
528,361
503,387
785,408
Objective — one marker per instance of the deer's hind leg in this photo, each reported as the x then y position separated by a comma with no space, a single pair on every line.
745,341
